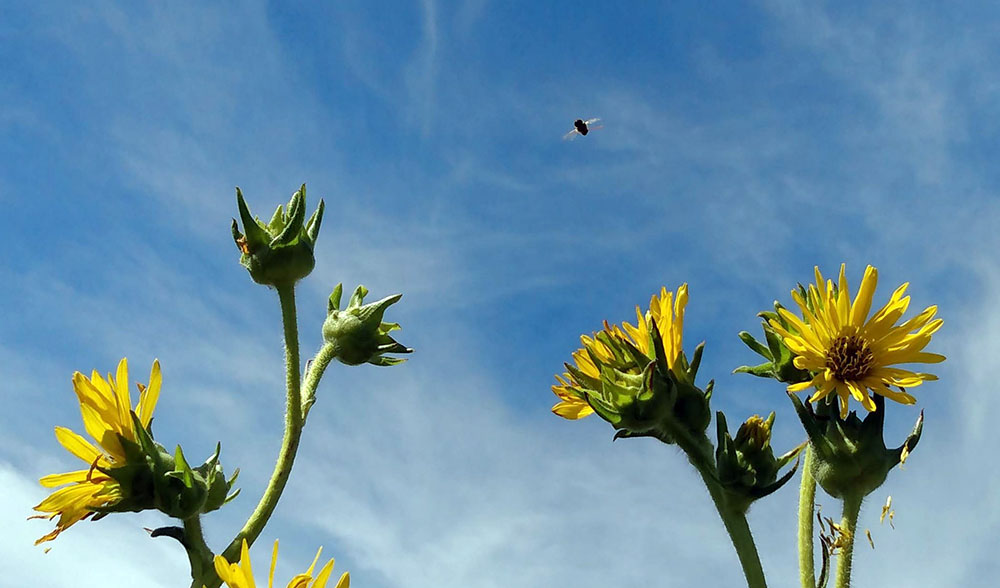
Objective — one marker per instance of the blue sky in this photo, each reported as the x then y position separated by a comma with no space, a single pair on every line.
741,146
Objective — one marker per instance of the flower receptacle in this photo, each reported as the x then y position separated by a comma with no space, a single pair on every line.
849,454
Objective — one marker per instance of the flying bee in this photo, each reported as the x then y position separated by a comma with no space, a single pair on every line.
581,127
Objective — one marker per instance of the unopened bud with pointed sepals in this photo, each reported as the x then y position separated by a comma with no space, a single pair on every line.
746,465
279,252
849,455
357,333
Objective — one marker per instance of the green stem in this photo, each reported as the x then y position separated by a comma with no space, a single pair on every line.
289,443
699,452
319,363
852,507
199,555
739,533
807,504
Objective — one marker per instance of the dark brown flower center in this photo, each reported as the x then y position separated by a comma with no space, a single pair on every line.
850,358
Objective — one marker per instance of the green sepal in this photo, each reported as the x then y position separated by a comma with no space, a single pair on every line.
335,296
755,345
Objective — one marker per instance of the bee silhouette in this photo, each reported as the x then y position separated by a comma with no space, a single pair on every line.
581,127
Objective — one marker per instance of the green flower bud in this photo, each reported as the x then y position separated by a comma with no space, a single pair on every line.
153,478
779,364
849,455
279,252
746,466
357,333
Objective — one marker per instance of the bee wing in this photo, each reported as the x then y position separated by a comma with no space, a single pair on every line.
591,121
571,135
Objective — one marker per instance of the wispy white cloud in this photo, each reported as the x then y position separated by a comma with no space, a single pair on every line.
433,473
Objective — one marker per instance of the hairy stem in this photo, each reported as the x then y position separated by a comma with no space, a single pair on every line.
807,504
849,524
289,443
699,452
199,555
314,372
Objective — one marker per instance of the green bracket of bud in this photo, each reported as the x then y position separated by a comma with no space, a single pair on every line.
746,466
356,334
279,252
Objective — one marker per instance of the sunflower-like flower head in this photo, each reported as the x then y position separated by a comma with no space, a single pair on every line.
851,353
849,454
279,252
115,474
746,465
357,332
637,377
241,575
126,470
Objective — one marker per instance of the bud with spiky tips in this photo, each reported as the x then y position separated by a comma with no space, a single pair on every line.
280,252
357,334
746,465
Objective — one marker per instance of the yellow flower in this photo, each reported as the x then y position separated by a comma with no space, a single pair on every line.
668,313
105,406
241,575
851,353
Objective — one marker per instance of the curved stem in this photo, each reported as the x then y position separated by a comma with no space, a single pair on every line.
699,452
807,504
739,533
852,507
199,555
314,372
289,443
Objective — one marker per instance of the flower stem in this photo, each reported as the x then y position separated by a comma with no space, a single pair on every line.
199,555
314,372
739,533
289,443
807,503
849,524
699,452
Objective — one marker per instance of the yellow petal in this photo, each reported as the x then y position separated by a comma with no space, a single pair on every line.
87,475
150,395
77,445
863,301
324,574
572,410
274,562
